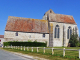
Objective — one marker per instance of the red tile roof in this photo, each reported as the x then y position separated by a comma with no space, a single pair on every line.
1,36
36,25
60,17
26,25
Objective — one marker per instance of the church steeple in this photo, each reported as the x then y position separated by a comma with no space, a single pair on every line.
49,11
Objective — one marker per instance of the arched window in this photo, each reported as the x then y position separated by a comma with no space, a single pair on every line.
69,32
56,35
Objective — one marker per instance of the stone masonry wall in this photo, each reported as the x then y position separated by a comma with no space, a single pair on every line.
22,36
62,40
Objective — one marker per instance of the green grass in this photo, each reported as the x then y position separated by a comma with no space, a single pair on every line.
69,55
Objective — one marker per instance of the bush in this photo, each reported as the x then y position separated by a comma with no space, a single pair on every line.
74,40
30,44
6,43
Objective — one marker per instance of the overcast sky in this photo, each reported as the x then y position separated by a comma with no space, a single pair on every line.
36,9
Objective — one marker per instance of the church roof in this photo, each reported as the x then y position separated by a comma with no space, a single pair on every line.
26,25
60,17
36,25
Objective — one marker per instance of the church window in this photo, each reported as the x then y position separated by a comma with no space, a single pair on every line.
69,32
57,31
43,35
30,36
50,11
16,33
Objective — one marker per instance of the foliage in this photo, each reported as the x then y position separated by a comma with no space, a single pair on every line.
74,40
29,41
20,43
35,41
6,43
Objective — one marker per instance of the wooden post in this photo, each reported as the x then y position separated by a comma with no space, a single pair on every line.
63,52
79,53
32,49
24,48
37,49
44,49
52,51
12,47
18,47
21,47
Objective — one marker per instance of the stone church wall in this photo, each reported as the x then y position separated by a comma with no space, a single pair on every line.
62,40
22,36
72,27
58,41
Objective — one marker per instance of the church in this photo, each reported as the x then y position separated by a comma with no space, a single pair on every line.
55,29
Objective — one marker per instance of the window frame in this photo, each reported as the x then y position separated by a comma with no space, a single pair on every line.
69,32
44,35
16,33
57,32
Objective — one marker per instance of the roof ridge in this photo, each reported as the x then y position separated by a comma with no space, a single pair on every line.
23,17
63,14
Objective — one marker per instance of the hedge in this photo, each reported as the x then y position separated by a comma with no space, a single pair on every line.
29,44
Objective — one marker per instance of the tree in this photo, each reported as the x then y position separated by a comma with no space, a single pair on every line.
74,40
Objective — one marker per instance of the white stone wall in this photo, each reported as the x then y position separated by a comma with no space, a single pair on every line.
72,26
58,42
22,36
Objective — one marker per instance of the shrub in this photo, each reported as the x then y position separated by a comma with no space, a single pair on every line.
6,43
74,40
30,44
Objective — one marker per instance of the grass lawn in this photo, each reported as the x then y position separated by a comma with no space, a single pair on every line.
58,54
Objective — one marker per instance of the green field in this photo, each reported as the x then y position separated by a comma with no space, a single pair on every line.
69,55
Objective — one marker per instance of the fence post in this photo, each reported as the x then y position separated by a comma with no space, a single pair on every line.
12,47
5,46
63,52
21,47
37,49
24,48
32,49
52,51
79,53
44,49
